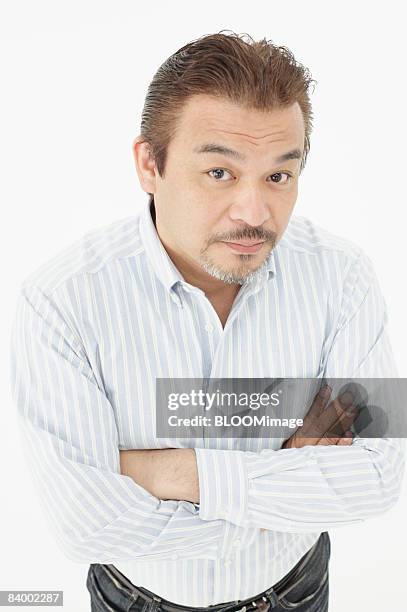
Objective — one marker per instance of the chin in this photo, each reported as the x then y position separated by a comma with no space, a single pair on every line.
233,274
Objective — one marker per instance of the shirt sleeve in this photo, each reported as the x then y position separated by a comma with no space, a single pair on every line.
70,439
315,488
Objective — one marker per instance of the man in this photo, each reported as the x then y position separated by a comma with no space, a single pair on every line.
213,279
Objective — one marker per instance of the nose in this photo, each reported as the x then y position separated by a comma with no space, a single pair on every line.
251,207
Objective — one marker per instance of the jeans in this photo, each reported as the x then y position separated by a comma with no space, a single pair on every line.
305,589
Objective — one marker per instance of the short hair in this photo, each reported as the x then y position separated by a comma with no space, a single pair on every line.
255,74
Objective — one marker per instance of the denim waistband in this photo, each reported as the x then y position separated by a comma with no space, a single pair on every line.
270,596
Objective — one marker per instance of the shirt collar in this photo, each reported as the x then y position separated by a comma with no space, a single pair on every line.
161,262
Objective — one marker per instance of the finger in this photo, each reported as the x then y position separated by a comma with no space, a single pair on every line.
336,409
319,429
334,441
338,415
347,439
345,420
344,442
319,403
327,441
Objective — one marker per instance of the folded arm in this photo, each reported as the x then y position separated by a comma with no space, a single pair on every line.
71,441
315,488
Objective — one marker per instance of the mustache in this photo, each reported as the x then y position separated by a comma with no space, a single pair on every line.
251,233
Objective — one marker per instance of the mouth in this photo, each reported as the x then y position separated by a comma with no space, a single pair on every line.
245,247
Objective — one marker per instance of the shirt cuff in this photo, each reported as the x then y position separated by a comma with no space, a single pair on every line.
223,485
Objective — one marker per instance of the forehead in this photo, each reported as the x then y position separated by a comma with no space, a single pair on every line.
206,116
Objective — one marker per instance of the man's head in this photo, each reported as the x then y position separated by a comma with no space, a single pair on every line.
224,136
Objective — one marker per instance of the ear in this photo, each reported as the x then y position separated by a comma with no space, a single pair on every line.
145,164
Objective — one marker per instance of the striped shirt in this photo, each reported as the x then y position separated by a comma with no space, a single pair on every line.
99,322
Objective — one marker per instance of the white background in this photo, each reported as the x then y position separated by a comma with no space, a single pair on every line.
73,79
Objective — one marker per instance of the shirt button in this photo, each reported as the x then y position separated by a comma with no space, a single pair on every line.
209,327
236,542
174,557
227,562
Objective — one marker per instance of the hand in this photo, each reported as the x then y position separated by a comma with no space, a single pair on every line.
326,426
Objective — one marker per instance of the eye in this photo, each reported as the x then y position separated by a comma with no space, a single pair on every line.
219,173
276,178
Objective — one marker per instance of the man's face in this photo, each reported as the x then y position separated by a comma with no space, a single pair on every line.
220,213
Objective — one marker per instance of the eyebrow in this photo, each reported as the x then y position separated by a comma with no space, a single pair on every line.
212,147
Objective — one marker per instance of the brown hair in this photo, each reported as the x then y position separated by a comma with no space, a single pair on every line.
255,74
